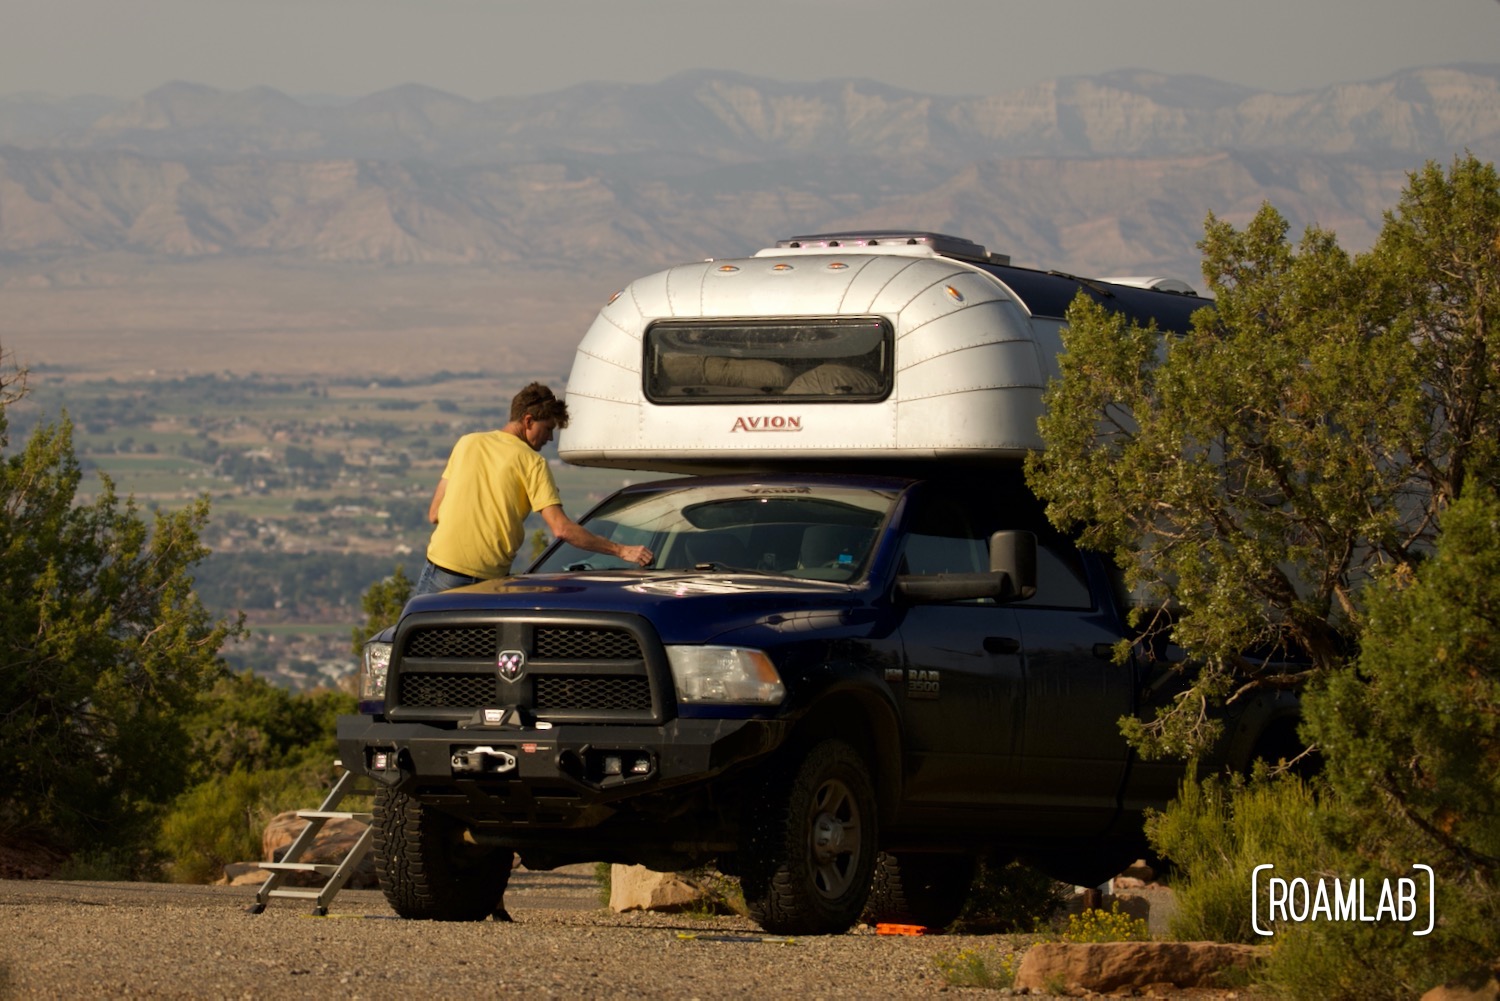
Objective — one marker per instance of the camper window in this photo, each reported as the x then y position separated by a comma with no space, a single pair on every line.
704,361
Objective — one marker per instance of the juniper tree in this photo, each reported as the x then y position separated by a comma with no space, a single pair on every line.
1255,475
103,646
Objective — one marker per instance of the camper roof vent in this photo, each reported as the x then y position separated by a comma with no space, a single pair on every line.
948,246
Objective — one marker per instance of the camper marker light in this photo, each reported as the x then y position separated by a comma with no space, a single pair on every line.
377,661
727,674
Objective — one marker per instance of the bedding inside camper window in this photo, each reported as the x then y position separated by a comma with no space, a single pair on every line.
705,361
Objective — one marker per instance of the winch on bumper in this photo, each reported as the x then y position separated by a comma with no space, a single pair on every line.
552,775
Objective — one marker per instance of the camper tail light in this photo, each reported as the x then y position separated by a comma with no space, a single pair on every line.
372,674
725,674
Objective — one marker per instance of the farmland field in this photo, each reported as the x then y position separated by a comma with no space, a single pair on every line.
314,408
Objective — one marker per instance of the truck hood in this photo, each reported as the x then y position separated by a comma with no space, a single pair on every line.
684,607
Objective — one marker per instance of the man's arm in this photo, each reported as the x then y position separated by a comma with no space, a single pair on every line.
437,500
574,534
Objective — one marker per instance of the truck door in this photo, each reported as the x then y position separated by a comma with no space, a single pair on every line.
1073,757
961,689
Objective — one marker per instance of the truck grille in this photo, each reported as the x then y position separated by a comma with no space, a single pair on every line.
592,694
583,672
461,643
430,690
592,644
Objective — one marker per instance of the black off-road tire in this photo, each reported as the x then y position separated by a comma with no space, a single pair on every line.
916,888
426,870
810,846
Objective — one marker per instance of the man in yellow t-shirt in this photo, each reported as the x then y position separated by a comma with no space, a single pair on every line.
493,480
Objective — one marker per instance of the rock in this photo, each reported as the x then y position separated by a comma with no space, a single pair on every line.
1104,967
334,841
636,888
1482,985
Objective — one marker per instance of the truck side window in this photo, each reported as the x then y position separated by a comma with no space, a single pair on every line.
943,539
1061,581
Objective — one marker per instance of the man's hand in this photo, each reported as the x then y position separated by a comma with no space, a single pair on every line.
639,555
574,534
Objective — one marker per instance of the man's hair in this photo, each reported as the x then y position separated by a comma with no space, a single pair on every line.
538,401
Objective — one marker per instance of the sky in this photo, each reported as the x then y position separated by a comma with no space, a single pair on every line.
493,48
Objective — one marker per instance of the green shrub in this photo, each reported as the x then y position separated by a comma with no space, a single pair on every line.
988,969
1216,833
221,820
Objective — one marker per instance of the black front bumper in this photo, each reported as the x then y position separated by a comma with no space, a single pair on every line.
564,776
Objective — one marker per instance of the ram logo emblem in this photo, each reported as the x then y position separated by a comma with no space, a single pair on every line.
512,664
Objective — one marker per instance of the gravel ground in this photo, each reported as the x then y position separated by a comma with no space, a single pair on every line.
153,940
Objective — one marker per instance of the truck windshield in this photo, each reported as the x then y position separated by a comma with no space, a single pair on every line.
749,361
809,531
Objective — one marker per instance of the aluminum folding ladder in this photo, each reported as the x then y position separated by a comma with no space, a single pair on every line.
338,874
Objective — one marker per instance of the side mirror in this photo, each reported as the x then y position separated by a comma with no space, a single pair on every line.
1013,553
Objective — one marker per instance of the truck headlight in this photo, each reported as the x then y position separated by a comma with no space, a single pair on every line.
372,673
724,674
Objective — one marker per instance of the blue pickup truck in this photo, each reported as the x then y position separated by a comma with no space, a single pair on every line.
862,657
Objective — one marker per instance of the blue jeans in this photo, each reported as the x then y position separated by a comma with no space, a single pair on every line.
434,579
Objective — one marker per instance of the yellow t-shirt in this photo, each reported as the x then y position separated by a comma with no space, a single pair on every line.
494,480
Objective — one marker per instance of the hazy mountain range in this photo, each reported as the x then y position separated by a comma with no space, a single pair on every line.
1102,174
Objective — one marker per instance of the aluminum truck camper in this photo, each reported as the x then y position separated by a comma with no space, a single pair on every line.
833,348
861,660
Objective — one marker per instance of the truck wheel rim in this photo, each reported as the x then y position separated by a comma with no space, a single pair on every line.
835,838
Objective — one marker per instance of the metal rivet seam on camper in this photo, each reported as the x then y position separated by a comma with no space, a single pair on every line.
957,390
939,336
622,366
872,267
1021,344
908,324
608,340
932,303
903,293
652,295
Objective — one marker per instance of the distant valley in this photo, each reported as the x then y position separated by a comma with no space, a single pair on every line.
297,306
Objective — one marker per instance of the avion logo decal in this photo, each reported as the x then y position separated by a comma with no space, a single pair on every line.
767,424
